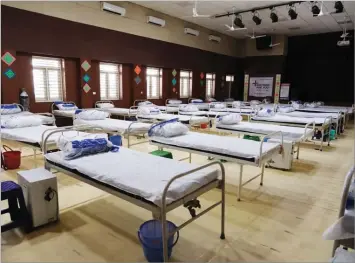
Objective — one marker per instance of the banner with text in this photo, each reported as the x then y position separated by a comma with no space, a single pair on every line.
261,87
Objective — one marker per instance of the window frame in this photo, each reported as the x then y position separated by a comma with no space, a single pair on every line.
160,88
190,78
47,90
119,82
230,75
211,77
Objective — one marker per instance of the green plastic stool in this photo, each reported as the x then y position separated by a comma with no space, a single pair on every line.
253,138
162,153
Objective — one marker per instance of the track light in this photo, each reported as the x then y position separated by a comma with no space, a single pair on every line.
256,18
315,9
338,7
238,21
292,12
273,15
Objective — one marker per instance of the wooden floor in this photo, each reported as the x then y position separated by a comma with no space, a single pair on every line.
280,221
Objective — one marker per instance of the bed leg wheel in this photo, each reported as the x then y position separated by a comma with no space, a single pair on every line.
261,184
238,199
222,236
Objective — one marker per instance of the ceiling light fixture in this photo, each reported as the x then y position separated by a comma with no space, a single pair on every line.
315,9
238,21
292,12
256,18
273,15
338,7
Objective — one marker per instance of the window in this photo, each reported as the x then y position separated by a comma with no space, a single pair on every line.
154,83
185,84
48,78
229,78
210,84
110,81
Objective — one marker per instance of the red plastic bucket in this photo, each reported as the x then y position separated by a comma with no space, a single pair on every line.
204,125
10,159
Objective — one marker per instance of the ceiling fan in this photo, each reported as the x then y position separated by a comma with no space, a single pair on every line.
253,36
195,14
232,28
273,45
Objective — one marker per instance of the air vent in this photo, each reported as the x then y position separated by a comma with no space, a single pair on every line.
294,28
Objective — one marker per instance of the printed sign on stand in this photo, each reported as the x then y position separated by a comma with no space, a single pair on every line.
261,86
285,91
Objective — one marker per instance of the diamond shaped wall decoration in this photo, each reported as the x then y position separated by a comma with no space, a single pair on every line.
202,75
138,70
9,73
86,88
85,65
174,82
86,78
201,82
8,58
137,80
174,72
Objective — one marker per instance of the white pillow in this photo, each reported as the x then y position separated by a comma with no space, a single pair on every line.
10,109
66,106
254,102
236,104
266,113
145,103
230,119
219,106
146,110
196,101
175,102
189,108
168,129
286,109
91,115
105,105
20,122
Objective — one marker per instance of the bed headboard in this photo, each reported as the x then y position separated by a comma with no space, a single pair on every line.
136,102
54,104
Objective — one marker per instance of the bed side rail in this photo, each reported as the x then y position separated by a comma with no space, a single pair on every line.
269,136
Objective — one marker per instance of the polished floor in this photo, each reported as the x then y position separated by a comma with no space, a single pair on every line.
280,221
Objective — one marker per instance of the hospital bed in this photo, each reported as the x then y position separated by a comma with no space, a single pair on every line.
156,184
240,151
292,136
321,124
167,109
173,105
115,126
188,120
200,105
63,117
46,117
113,111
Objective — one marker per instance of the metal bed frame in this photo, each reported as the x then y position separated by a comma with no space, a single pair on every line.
260,162
158,212
345,242
132,111
322,128
295,142
126,134
53,106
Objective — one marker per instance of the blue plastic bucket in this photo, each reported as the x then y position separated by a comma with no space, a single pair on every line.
116,140
150,235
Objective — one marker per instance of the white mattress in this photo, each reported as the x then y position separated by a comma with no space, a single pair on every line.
44,119
289,133
119,111
168,109
182,118
33,134
327,109
175,105
64,113
301,114
115,125
203,113
221,145
243,111
139,173
277,118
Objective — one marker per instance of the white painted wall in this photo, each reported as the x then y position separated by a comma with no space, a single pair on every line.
134,23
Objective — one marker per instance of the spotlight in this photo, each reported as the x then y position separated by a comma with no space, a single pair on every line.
256,18
273,16
338,7
238,21
315,9
292,13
